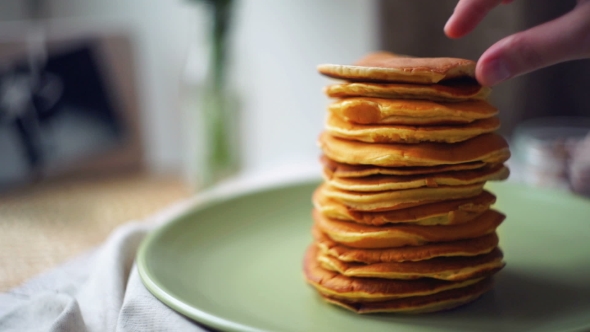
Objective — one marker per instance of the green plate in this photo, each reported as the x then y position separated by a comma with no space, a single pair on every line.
233,262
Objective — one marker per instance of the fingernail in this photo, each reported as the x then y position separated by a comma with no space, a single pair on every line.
497,72
446,27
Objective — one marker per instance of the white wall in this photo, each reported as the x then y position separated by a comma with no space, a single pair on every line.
277,45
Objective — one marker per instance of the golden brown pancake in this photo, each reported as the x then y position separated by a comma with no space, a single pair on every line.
370,289
376,183
362,236
446,212
487,148
444,300
455,92
398,199
387,133
389,67
443,268
345,170
440,213
468,247
363,110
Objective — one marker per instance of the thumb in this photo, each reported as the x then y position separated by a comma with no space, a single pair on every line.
565,38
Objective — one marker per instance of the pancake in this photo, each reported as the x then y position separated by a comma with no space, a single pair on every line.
455,92
487,148
443,268
350,289
339,127
441,213
344,170
361,236
376,183
444,300
363,110
468,247
389,67
398,199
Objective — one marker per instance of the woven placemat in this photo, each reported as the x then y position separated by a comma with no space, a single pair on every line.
46,224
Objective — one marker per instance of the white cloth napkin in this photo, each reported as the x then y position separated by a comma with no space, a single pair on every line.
98,291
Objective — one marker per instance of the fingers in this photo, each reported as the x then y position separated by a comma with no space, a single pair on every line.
565,38
468,14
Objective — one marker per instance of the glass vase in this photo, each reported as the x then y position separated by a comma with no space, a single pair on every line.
211,115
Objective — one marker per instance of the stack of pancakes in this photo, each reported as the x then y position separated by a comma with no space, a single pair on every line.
402,222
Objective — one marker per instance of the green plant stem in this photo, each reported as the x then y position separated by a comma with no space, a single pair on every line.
221,160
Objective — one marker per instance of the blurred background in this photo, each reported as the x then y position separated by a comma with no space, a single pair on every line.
101,103
106,105
274,49
142,64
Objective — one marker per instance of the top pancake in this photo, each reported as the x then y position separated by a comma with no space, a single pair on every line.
389,67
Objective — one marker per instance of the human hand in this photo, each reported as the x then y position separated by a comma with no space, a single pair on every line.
562,39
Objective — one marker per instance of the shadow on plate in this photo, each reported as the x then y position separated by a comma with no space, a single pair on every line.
520,300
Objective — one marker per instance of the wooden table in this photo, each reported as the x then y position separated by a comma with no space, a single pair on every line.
48,223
